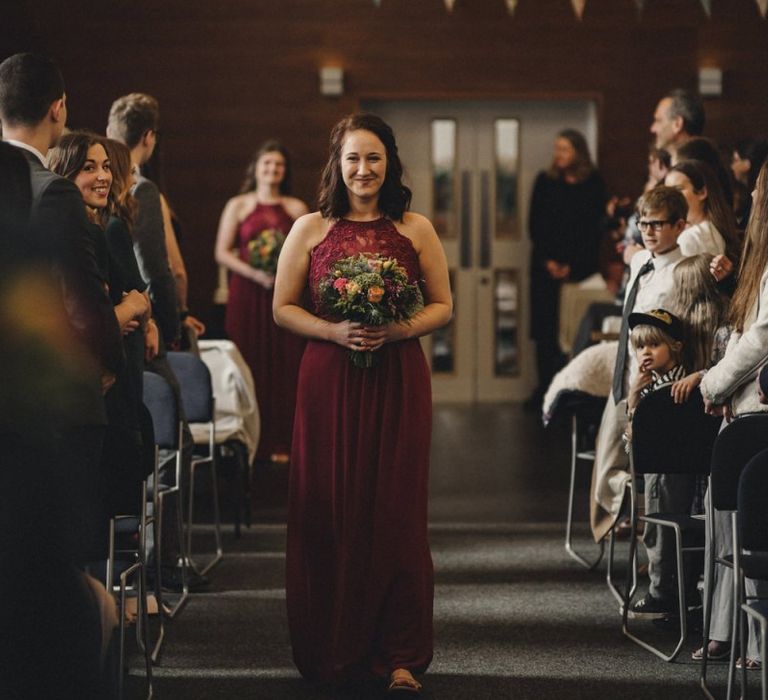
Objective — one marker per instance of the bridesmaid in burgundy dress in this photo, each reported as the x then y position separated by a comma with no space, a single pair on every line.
272,354
359,571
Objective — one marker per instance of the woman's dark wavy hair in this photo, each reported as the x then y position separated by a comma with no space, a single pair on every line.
716,208
269,146
68,157
394,196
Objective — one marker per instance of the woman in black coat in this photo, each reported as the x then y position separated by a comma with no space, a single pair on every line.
566,209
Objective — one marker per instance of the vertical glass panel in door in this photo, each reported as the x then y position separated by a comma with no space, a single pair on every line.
507,152
444,340
506,297
444,177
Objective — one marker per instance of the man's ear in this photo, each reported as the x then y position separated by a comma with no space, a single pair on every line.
680,226
56,111
679,124
145,137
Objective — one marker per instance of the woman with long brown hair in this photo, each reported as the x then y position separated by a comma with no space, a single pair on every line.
729,390
567,206
263,208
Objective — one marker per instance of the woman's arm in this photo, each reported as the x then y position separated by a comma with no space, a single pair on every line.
225,242
743,359
291,281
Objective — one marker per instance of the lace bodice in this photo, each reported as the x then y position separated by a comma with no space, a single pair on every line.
346,238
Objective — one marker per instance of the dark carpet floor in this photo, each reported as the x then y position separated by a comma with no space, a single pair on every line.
515,617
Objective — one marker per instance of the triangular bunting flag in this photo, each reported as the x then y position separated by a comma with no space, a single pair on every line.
512,6
578,7
449,5
640,6
762,5
707,5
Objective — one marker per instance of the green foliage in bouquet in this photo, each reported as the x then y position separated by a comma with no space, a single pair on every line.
265,250
370,289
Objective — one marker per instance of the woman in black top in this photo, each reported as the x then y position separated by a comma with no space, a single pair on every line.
567,206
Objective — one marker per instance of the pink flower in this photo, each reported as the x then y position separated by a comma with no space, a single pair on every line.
339,284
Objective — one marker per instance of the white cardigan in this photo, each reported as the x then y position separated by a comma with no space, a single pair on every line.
733,378
701,238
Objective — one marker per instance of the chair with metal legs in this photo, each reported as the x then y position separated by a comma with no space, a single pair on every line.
669,438
584,411
199,406
736,444
161,402
751,558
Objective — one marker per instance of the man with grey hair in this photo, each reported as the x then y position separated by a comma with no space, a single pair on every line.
678,117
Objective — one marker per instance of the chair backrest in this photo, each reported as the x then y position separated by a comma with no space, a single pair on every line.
161,403
670,438
736,444
195,383
752,516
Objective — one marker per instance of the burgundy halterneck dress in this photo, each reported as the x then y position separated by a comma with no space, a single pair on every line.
272,353
359,571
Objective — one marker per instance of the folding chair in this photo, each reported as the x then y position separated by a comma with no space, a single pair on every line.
161,403
751,559
128,537
584,411
735,445
199,406
669,438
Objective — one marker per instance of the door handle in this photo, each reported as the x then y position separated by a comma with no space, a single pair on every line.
485,220
465,244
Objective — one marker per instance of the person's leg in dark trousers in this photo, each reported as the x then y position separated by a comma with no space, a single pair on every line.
668,493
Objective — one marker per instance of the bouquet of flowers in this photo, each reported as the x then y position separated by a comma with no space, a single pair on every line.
265,250
370,289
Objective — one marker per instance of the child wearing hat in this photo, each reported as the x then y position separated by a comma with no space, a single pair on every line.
657,337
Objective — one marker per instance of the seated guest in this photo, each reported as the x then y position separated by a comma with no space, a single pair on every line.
82,157
748,157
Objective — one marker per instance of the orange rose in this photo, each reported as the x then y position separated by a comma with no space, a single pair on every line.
375,294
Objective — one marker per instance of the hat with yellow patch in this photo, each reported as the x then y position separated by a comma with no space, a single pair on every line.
660,318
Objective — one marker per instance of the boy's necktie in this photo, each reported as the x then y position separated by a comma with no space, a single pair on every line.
621,357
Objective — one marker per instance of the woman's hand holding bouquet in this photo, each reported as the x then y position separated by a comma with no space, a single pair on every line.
373,296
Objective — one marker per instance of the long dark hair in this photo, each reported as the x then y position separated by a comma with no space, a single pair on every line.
269,146
716,207
121,201
68,157
332,197
583,166
755,257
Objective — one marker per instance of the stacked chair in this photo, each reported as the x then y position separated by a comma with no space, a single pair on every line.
751,560
735,446
199,407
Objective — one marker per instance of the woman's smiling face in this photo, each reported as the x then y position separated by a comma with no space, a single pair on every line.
95,177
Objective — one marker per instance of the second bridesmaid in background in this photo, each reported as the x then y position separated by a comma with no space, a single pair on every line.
250,234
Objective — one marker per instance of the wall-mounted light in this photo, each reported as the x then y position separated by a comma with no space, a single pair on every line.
710,82
331,81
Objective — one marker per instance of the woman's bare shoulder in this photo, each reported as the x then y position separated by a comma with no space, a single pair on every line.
294,206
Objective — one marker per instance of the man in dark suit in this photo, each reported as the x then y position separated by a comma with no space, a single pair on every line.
33,111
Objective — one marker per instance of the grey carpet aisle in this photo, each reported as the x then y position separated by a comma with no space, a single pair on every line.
514,616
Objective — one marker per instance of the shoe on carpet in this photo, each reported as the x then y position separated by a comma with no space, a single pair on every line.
716,651
402,681
651,608
752,664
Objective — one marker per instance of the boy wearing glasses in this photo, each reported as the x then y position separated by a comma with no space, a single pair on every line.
662,214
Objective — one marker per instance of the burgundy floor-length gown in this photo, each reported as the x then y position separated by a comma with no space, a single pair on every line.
359,570
272,353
